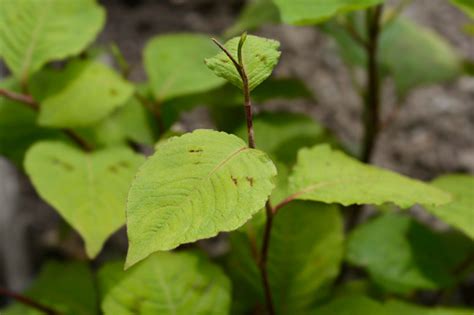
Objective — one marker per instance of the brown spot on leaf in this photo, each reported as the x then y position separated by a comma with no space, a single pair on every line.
250,180
113,92
195,150
63,164
234,180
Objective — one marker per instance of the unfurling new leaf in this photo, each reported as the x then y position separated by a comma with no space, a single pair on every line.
259,56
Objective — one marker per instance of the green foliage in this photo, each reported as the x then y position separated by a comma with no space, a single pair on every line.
131,122
66,287
15,116
34,32
255,14
80,95
168,283
309,12
79,129
361,305
465,5
345,180
398,307
304,257
282,134
459,212
402,255
85,188
193,187
174,64
440,62
259,55
352,305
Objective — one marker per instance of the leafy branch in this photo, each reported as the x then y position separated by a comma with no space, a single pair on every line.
262,261
29,101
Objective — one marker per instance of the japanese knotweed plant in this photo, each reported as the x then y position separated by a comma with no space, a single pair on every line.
276,183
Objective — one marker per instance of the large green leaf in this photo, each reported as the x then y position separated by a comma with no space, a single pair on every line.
66,287
308,12
323,174
402,255
174,64
81,95
34,32
193,187
465,5
352,305
170,284
282,134
460,212
88,189
259,57
255,14
306,249
398,307
440,61
16,117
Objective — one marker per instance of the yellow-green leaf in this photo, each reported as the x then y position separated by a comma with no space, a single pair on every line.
88,189
194,187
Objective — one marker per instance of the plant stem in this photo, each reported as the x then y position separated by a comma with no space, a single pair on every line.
28,301
29,101
262,262
372,94
371,114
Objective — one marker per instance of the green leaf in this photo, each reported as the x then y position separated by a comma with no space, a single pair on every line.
33,32
259,55
170,283
458,213
309,12
352,305
465,5
174,64
16,116
108,276
305,252
132,122
88,189
402,255
81,95
66,287
323,174
440,61
193,187
283,134
255,14
398,307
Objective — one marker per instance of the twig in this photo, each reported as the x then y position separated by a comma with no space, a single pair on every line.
29,101
262,262
28,301
22,98
350,29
